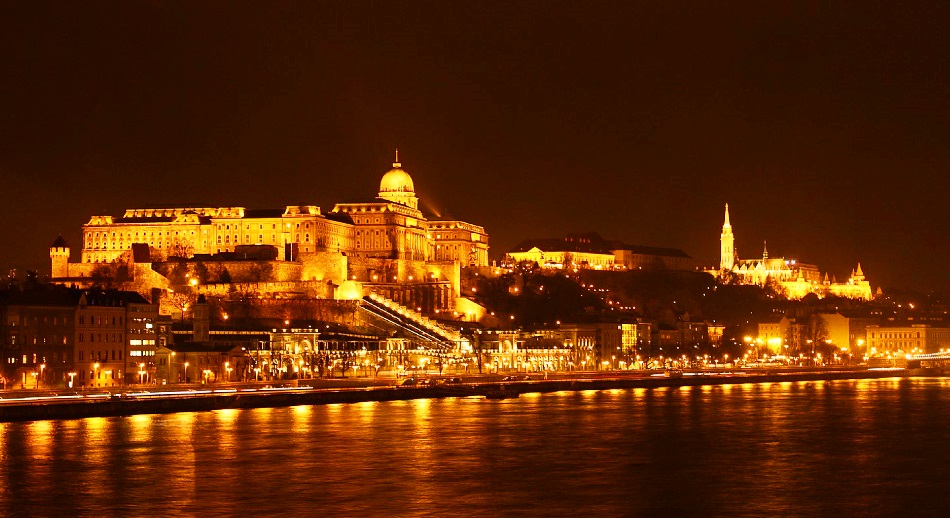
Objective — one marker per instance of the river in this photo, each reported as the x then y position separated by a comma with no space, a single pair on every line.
851,448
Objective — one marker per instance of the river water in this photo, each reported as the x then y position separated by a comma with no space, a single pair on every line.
848,448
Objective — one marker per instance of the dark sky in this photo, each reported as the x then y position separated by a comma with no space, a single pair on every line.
824,125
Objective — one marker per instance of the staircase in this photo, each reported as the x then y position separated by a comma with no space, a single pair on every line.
414,325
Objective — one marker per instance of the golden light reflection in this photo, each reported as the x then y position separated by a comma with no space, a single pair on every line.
141,425
421,406
95,429
301,416
225,420
185,422
227,416
262,412
422,441
40,438
95,451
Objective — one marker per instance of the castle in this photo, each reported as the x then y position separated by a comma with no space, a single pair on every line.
386,246
796,278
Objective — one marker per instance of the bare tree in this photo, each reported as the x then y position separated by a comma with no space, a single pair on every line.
182,249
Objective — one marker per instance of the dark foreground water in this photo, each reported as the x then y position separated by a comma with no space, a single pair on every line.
846,448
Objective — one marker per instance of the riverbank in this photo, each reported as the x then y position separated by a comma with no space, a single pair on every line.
77,406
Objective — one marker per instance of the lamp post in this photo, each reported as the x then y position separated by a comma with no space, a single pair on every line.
42,378
72,376
142,373
95,373
227,368
185,373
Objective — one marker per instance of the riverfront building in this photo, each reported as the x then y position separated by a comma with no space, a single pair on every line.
92,338
908,337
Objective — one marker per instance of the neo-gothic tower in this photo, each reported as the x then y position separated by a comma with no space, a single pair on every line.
727,258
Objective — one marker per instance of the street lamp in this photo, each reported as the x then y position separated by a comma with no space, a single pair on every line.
227,367
142,373
185,375
42,368
95,373
72,376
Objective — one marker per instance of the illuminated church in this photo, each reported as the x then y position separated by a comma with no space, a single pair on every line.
798,279
387,241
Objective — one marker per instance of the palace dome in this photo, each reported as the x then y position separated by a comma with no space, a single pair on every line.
396,180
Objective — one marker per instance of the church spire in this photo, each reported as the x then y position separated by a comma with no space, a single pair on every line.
765,250
727,252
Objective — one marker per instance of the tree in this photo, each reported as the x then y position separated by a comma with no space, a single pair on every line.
815,332
103,276
808,336
181,300
258,271
728,277
201,273
775,288
569,261
182,250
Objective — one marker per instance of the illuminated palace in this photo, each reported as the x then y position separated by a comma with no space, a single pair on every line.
798,279
338,254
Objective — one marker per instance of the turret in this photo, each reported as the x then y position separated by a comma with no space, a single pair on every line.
858,274
59,258
201,320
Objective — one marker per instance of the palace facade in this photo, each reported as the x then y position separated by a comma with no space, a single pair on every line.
591,251
384,241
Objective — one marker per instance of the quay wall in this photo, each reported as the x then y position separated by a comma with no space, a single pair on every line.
121,406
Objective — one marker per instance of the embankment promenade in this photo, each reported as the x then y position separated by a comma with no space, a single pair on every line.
152,400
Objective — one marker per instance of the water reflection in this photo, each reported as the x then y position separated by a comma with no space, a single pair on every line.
810,448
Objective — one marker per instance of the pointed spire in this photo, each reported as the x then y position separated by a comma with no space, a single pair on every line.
859,273
765,250
725,223
396,164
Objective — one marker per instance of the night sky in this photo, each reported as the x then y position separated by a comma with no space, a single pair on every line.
824,126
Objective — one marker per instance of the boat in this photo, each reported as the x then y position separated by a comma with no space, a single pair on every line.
500,392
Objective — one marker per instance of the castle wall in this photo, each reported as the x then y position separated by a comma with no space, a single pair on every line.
323,266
